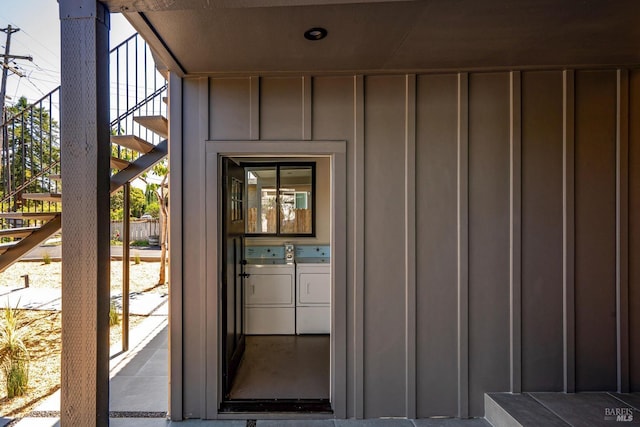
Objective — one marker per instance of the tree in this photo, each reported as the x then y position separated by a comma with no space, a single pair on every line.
162,195
153,208
137,203
116,203
31,149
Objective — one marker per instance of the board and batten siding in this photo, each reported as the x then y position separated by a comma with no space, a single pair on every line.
492,223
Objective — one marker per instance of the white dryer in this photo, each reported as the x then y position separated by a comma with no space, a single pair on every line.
313,292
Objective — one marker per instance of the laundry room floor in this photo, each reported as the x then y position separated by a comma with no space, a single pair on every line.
283,367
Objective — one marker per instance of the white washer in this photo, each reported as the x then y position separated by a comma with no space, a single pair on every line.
269,299
313,296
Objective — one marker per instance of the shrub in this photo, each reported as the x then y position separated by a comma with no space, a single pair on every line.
114,316
14,355
17,376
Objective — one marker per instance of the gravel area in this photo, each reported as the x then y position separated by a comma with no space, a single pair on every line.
143,276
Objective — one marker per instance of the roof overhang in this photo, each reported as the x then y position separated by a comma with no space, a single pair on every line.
266,37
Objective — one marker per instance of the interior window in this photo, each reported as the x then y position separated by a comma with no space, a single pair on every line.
280,199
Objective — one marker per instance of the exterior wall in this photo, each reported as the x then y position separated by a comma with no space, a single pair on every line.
194,255
542,230
633,165
486,239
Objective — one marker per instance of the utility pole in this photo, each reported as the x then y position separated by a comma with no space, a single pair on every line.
5,65
3,91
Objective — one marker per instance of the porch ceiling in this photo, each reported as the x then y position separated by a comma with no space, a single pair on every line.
252,36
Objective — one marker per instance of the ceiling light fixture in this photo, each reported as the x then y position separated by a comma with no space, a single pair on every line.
316,33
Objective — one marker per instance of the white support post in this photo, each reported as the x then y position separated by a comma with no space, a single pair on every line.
84,120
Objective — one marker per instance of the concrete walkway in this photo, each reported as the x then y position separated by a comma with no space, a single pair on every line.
140,303
146,253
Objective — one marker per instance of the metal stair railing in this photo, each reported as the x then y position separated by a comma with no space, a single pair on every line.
137,88
30,150
30,156
46,172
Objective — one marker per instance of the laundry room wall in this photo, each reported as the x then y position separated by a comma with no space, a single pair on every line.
491,220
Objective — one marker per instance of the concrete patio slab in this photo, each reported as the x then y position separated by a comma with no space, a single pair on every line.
631,399
596,409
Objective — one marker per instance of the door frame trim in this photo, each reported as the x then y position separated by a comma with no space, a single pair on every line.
336,151
225,275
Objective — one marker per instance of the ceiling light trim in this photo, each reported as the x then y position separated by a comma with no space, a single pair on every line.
316,33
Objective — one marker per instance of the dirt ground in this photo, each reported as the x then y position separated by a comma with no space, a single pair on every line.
41,329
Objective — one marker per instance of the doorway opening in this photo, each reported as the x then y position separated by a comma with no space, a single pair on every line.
276,302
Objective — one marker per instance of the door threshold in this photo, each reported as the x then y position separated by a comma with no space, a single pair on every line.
276,405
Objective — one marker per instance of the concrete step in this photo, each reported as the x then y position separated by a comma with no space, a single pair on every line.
518,410
589,408
132,142
17,232
46,197
156,124
561,409
119,164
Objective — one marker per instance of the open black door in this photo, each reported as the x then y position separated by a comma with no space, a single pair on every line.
233,342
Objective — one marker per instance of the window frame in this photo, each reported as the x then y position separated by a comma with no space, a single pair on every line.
277,165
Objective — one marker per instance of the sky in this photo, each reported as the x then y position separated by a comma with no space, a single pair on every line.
39,37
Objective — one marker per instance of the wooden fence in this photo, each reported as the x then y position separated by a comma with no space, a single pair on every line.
300,221
139,230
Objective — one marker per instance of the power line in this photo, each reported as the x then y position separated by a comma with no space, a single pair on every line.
35,86
53,54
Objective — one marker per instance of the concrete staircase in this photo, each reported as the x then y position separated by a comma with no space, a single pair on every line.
20,240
